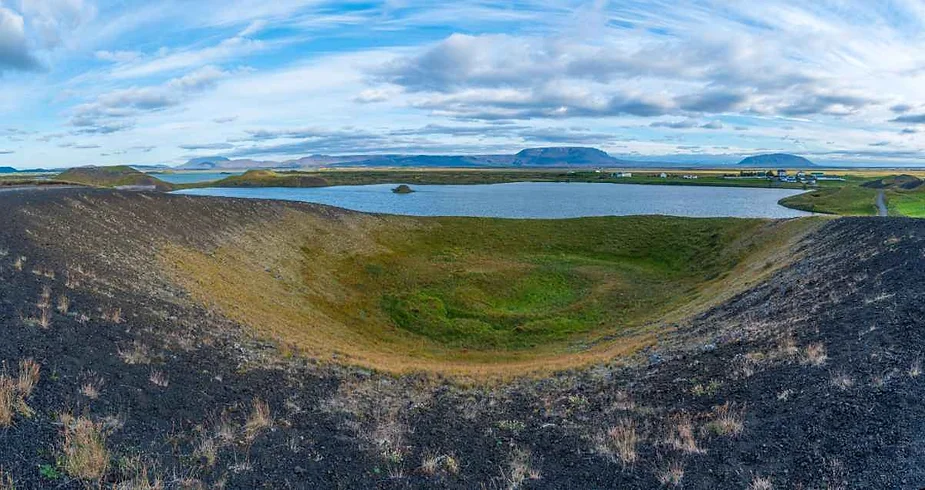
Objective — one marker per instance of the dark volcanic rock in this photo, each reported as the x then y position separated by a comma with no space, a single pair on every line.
850,419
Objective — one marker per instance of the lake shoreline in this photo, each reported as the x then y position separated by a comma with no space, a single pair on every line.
532,200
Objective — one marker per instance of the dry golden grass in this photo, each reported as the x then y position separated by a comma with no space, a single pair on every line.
137,353
259,419
159,378
682,435
14,391
814,355
620,442
262,278
761,483
137,475
6,481
727,420
64,304
83,450
521,469
28,377
435,464
8,399
671,474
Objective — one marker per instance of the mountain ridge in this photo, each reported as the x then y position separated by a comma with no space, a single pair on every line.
776,160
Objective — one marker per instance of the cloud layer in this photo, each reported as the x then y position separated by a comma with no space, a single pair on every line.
159,82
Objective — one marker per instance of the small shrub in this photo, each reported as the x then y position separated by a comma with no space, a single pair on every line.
83,452
814,355
727,421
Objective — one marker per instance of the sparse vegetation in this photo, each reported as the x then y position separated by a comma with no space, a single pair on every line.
682,435
443,463
15,391
842,381
260,418
814,355
136,353
83,451
64,304
761,483
620,441
671,474
727,420
517,294
520,469
159,378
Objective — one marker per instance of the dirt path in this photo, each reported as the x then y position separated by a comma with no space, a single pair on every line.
881,205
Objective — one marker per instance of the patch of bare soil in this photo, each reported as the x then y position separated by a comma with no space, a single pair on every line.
812,379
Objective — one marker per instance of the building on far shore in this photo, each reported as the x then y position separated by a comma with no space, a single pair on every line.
623,175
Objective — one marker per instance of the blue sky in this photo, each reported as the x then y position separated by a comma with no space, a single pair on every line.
142,82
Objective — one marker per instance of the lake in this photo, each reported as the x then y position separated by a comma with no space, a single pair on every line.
192,177
535,199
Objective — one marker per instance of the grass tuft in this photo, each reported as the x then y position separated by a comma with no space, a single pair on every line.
83,451
727,421
672,474
259,419
814,355
620,441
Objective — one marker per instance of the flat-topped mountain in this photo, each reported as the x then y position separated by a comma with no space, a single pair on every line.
8,170
777,160
531,157
558,156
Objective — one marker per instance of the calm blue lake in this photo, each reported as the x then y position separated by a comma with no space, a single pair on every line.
193,177
535,200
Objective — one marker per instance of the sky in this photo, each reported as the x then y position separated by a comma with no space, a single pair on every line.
107,82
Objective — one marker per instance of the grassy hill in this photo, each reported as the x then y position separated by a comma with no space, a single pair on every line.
270,178
116,176
459,295
904,196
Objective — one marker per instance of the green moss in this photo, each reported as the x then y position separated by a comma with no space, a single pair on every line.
849,200
481,284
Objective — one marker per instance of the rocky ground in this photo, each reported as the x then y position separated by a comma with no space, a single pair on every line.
811,380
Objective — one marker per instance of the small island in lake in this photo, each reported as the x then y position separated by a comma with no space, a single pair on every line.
403,189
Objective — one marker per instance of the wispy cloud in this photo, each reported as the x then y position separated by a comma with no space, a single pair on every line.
648,78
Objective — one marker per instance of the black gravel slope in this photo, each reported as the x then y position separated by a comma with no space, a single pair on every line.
852,421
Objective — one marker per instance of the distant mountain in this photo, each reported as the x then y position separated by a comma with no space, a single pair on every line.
532,157
782,160
222,163
8,170
563,156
